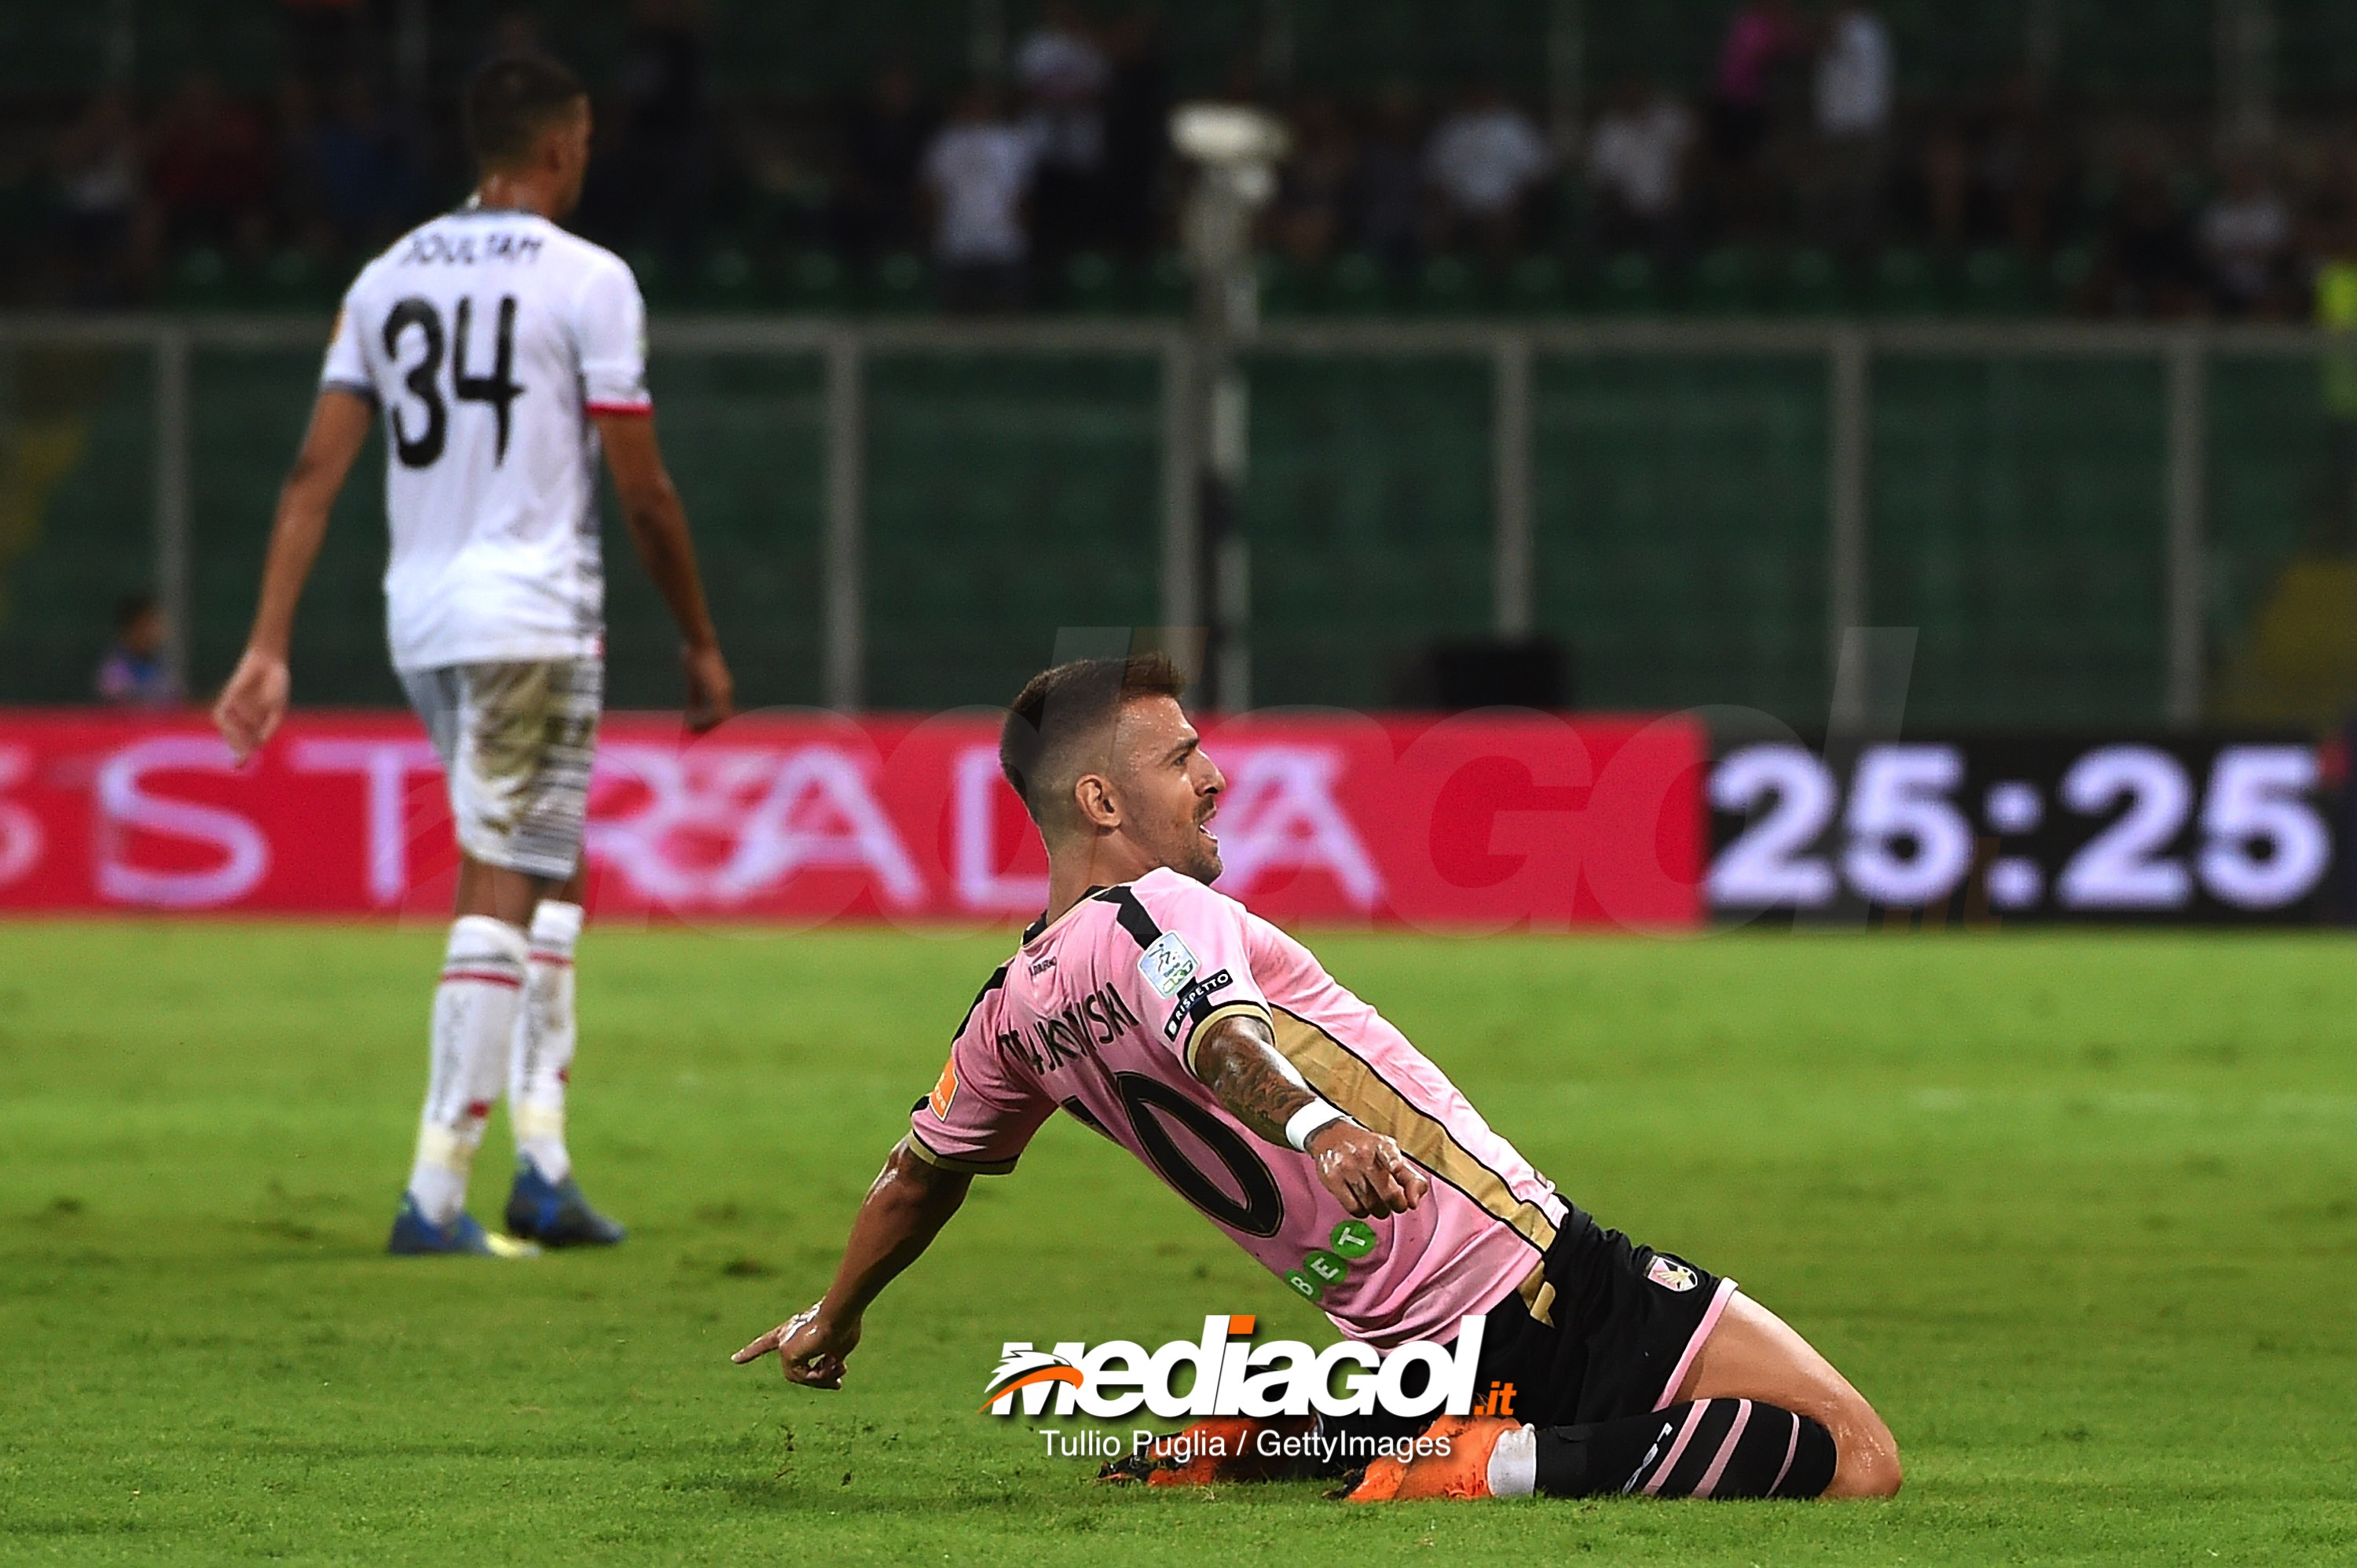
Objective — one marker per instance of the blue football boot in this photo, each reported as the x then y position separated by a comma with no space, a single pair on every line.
415,1236
555,1214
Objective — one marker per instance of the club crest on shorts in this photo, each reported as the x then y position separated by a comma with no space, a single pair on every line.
1671,1274
944,1093
1167,965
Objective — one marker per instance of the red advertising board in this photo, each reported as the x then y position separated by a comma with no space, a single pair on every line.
1473,822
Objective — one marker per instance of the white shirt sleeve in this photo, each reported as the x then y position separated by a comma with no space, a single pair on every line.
347,368
609,326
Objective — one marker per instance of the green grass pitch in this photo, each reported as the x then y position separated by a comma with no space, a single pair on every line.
2078,1212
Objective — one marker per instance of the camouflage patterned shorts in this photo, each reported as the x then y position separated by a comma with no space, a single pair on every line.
516,741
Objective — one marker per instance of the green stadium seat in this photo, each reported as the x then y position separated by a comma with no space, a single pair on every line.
1998,282
1168,288
1282,290
2067,273
902,284
816,282
1725,282
1905,283
656,282
1094,284
728,281
1447,287
1535,286
295,280
1811,284
201,280
1630,285
1358,285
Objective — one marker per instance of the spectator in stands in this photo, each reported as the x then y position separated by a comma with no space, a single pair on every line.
360,165
663,167
1854,90
1313,193
885,136
2150,265
2024,169
977,174
133,674
2335,532
2333,243
2246,239
1063,73
212,165
1390,186
1137,130
1760,37
101,188
1763,39
1637,161
1484,161
1944,176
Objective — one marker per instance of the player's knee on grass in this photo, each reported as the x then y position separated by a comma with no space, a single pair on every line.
1754,1354
1868,1458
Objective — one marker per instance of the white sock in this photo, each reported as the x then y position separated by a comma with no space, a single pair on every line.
1515,1464
541,1062
474,1010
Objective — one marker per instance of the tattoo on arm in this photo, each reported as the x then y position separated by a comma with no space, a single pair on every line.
1238,1061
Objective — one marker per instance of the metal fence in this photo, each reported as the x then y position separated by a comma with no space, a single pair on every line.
1699,510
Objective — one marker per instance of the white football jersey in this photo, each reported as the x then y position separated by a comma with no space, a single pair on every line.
487,339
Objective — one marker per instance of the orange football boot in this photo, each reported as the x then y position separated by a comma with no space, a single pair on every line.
1462,1472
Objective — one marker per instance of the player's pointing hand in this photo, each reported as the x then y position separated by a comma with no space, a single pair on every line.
1366,1171
810,1350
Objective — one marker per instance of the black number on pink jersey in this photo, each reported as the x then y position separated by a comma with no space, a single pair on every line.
1149,1101
419,451
499,389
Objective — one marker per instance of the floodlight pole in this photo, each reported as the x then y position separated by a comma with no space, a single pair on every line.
1233,178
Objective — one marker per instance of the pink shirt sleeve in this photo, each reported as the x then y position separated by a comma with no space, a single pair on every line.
1194,966
982,1113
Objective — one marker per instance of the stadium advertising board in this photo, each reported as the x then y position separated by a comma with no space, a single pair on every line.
1472,823
2007,830
1479,822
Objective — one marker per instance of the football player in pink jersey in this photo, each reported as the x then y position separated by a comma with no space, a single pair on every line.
1143,1003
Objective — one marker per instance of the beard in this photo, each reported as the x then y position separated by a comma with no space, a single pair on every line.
1195,855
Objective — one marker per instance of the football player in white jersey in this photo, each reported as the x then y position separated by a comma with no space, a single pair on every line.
503,355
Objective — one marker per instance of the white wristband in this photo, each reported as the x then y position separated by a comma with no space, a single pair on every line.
1304,1124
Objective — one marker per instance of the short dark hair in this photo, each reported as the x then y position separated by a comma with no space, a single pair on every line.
132,608
511,99
1060,708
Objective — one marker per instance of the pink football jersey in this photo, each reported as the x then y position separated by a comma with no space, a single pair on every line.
1099,1013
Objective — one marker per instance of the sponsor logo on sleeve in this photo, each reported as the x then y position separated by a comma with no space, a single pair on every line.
1167,965
1671,1274
1191,1000
944,1093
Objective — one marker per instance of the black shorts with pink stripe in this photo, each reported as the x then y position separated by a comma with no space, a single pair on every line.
1627,1323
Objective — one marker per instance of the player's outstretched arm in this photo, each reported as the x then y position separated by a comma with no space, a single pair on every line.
254,701
906,1209
1237,1059
658,525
